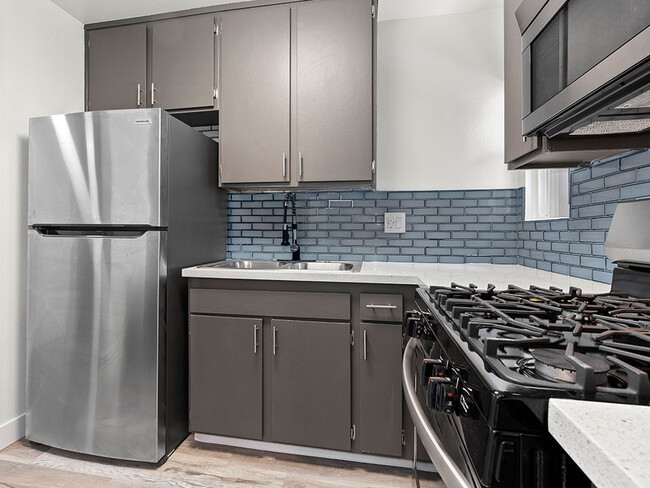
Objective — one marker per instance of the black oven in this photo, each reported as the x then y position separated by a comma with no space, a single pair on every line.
586,66
479,431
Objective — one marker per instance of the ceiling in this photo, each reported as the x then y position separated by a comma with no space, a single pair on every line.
90,11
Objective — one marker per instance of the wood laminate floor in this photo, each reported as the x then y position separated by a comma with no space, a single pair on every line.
194,465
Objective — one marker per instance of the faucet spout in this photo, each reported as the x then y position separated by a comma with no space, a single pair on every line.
290,198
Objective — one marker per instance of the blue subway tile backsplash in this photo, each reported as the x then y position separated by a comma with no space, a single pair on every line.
473,226
441,226
595,192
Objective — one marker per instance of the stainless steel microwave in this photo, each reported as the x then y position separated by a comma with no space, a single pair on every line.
586,68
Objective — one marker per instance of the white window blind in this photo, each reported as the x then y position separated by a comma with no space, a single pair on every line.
547,194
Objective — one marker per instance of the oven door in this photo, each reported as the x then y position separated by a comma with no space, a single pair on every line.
440,433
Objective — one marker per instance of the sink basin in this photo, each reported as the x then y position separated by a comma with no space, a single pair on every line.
246,264
262,264
320,265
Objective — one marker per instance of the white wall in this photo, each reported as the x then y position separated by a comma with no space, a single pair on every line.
41,73
440,103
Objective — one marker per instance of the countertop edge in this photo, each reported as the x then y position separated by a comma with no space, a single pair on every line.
574,424
322,276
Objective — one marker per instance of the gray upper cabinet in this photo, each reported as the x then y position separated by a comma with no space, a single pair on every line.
116,67
333,111
226,376
254,110
183,63
310,390
516,145
380,389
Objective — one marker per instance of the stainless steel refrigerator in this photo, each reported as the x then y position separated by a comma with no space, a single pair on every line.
118,202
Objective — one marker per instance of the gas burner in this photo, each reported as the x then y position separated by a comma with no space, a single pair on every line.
553,365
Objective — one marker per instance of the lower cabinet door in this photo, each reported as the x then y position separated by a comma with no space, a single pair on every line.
380,389
226,376
310,391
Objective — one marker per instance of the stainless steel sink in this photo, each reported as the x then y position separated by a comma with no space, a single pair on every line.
246,264
262,264
321,265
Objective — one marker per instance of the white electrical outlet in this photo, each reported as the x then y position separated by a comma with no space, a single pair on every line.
394,223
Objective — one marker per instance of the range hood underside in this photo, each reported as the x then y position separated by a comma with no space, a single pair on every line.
575,151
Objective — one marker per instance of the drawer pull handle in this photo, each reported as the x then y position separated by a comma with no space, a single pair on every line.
387,307
255,328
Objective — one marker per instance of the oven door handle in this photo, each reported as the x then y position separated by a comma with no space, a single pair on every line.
447,468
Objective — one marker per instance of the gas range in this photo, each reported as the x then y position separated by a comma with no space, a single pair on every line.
481,364
485,362
593,347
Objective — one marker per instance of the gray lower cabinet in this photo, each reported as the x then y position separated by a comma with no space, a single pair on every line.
226,376
326,374
183,63
333,125
116,67
310,384
380,389
254,110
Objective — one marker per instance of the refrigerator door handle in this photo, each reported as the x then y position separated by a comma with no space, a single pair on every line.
98,233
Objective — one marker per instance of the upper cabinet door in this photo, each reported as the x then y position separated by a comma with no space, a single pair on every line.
117,67
333,138
254,105
183,63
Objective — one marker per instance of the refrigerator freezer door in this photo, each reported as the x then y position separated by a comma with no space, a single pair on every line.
94,335
98,168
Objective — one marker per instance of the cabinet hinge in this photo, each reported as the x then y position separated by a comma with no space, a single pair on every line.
373,166
352,338
373,11
353,432
403,438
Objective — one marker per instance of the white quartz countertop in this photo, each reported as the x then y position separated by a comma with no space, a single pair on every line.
420,274
609,441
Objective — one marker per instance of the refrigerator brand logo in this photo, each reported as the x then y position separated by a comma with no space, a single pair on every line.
143,122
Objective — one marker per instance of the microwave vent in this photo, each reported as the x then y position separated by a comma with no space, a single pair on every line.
640,101
602,127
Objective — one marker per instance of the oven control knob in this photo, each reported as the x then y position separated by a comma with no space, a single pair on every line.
436,368
415,325
442,395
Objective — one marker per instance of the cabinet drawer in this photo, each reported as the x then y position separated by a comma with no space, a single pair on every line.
381,308
333,306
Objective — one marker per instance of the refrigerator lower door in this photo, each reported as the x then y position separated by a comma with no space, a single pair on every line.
94,340
98,168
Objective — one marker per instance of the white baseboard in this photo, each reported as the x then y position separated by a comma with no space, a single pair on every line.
12,431
312,452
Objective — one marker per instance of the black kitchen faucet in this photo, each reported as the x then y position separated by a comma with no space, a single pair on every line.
290,197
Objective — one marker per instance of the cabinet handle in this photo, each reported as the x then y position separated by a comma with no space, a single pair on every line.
365,344
139,94
389,307
300,160
284,165
275,340
255,328
153,89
